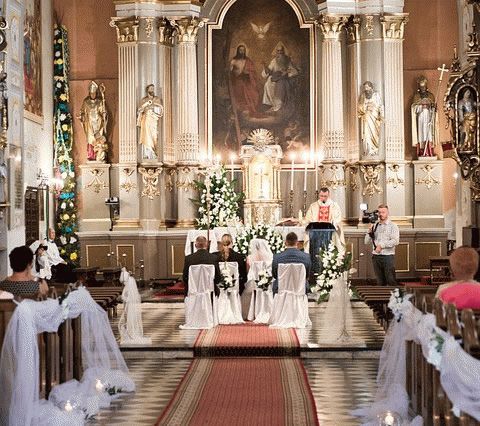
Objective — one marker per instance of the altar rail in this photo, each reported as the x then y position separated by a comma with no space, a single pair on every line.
163,252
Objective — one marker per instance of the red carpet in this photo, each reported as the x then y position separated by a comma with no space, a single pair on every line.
242,392
247,339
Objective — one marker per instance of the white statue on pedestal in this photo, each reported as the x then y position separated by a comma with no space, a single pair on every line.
370,111
149,114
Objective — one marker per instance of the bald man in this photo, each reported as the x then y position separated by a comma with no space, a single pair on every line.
201,257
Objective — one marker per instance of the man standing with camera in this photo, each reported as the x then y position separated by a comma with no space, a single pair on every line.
384,235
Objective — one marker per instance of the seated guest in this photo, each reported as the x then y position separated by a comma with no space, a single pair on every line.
291,254
227,254
201,257
61,271
22,282
464,290
42,264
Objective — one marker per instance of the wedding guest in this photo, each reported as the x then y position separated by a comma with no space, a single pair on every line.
291,254
62,272
22,282
42,263
201,257
5,295
464,291
227,254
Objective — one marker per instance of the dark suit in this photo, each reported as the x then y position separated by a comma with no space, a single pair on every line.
233,256
290,255
201,257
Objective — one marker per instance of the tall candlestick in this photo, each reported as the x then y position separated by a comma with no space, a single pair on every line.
316,173
305,160
232,159
293,171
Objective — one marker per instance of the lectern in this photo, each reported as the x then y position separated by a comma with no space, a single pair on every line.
319,235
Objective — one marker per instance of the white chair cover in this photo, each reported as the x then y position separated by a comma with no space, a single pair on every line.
130,325
19,363
200,310
261,303
290,305
229,305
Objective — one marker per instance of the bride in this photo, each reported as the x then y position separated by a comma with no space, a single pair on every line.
259,251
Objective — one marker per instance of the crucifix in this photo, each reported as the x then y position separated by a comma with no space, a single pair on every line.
260,172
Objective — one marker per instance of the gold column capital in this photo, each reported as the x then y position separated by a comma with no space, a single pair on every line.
393,26
166,32
331,25
353,29
186,28
126,28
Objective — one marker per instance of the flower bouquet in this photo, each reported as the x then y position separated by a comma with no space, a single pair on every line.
264,280
262,231
227,282
398,303
333,264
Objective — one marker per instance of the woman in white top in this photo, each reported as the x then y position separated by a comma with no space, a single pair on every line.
259,251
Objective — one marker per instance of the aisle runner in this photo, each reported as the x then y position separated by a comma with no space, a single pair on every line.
241,391
247,340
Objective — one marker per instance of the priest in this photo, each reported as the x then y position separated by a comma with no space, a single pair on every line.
325,210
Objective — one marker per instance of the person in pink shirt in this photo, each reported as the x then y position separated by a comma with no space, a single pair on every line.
464,291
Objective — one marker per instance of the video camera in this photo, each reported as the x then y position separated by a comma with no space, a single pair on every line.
368,217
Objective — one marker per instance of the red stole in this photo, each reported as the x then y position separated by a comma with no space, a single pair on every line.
323,213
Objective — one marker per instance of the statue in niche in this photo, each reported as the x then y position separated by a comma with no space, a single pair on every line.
424,120
3,182
467,119
149,114
370,112
94,118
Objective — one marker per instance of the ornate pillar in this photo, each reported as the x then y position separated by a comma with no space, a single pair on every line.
186,119
333,134
127,42
397,170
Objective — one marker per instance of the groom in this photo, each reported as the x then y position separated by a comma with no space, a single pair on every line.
291,254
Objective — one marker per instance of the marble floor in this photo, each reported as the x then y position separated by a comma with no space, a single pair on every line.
340,377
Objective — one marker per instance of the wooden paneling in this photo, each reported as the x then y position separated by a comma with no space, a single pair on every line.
402,257
126,256
423,252
97,255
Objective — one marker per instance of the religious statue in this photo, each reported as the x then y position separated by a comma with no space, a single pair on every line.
149,114
467,119
277,92
424,120
370,112
3,182
371,176
93,115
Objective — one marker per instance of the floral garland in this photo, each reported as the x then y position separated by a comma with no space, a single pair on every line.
398,303
264,280
262,231
218,204
66,214
333,264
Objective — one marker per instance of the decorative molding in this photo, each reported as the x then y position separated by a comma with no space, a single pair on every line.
126,28
187,147
96,184
395,180
187,28
428,179
353,172
336,177
369,25
128,185
393,26
331,25
187,183
149,27
371,176
353,29
169,184
166,33
150,181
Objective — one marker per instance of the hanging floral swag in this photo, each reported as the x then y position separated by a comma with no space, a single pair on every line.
262,231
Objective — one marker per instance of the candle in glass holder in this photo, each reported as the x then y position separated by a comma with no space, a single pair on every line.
68,406
292,156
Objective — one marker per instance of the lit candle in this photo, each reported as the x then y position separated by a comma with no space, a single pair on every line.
232,159
317,166
218,159
305,160
68,406
292,156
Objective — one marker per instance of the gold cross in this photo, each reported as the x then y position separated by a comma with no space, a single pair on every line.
442,69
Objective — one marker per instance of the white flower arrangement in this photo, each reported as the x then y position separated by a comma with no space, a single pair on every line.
333,264
218,204
264,280
435,348
227,282
262,231
398,303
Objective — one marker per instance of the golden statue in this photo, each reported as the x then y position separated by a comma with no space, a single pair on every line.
149,114
370,112
467,115
93,115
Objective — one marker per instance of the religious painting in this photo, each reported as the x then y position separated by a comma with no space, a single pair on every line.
467,119
32,63
260,77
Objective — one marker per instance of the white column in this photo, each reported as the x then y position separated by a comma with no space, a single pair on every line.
393,28
126,187
186,119
333,134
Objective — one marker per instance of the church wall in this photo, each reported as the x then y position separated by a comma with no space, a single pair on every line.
93,56
429,38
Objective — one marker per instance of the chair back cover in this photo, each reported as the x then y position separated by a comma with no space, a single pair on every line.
290,305
256,267
233,269
200,279
229,304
